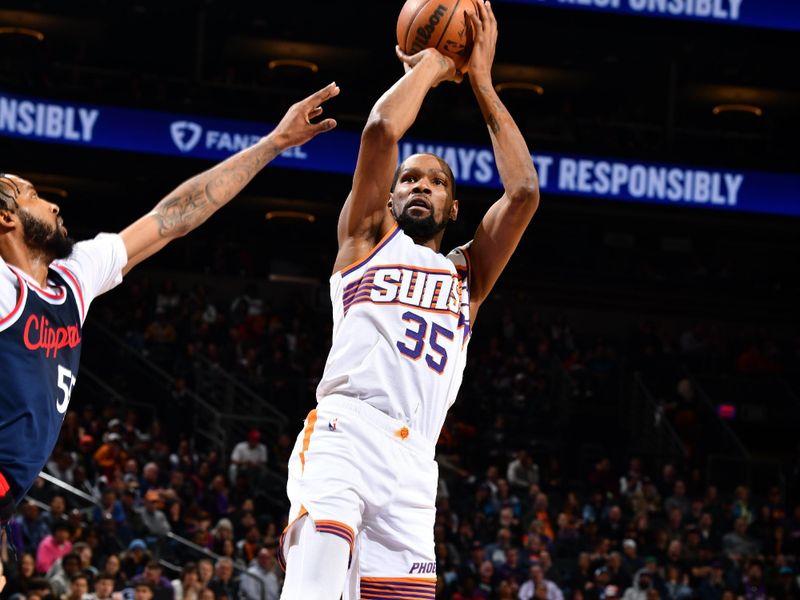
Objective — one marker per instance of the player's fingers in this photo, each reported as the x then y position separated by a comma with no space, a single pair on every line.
409,60
484,15
314,113
477,26
326,93
325,125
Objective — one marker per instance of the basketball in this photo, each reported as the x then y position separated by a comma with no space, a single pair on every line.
440,24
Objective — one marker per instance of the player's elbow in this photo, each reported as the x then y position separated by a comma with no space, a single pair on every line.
381,130
525,194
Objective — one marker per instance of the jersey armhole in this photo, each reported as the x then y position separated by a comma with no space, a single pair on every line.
8,320
364,259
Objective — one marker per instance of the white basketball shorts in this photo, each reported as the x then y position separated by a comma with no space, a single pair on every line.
367,478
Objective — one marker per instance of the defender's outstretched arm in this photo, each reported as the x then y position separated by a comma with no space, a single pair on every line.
196,199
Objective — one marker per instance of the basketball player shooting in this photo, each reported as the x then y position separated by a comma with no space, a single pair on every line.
47,283
363,478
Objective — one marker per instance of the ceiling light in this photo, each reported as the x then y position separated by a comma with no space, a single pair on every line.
740,108
519,85
290,214
23,31
296,63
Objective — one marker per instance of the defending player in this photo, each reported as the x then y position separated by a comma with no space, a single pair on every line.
362,476
47,283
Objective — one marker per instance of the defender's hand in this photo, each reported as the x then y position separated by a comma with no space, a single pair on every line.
484,24
296,128
446,67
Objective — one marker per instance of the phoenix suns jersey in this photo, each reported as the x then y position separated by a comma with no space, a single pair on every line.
401,327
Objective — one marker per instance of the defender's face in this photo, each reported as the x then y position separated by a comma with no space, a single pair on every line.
40,209
423,192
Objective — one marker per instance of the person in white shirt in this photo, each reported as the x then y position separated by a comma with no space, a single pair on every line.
537,585
47,283
263,568
250,454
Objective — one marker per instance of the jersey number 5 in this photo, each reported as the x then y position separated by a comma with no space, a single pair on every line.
66,381
418,336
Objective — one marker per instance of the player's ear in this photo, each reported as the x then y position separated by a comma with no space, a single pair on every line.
389,202
7,220
454,210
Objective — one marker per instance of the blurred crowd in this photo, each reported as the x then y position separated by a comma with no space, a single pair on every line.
518,516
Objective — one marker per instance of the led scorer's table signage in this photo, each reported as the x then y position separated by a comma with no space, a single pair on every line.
150,132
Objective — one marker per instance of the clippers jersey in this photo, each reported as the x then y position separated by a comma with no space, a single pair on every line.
40,346
401,327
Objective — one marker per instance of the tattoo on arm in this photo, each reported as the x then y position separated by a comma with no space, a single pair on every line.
493,124
197,199
491,120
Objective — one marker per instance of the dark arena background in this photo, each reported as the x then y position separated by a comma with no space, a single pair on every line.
627,426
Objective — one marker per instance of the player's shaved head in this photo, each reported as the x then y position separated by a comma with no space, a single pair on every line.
442,163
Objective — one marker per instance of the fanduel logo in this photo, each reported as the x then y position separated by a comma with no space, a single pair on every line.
185,134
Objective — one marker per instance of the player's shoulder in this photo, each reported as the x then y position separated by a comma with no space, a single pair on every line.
459,255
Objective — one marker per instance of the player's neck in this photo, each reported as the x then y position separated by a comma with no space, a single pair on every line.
33,264
434,243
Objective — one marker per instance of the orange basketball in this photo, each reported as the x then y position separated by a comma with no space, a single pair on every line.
440,24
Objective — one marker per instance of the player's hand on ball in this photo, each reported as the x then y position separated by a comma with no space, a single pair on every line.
296,128
484,24
447,68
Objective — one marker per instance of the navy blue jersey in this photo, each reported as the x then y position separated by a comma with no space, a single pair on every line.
40,346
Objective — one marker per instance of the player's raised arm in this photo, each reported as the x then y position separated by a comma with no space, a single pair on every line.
503,225
196,199
363,218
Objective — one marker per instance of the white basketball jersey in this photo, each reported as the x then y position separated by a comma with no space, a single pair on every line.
401,327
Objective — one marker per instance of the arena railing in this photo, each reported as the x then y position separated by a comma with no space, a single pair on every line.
170,537
650,429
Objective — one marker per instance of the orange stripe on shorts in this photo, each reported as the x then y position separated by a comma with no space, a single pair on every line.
311,420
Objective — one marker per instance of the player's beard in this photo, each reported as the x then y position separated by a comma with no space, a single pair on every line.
419,228
41,237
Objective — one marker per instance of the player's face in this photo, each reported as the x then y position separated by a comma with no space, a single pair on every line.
42,227
422,201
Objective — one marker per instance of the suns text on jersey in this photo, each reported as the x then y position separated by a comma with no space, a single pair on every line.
426,289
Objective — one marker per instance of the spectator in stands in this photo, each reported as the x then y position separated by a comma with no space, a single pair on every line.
677,584
538,587
53,547
753,585
32,526
737,544
642,582
150,478
187,586
205,571
113,567
742,508
61,573
713,585
135,559
162,587
110,456
262,569
103,587
249,455
110,505
143,590
224,582
630,556
154,520
678,499
18,579
79,587
522,472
